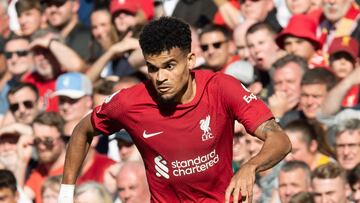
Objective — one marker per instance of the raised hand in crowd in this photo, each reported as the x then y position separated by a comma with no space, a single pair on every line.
279,104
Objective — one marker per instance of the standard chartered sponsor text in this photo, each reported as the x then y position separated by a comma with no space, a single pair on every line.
195,165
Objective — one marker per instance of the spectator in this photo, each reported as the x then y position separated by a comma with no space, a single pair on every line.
315,85
30,16
299,38
215,43
331,21
260,38
286,75
102,28
240,40
23,99
354,182
298,7
260,11
50,189
62,15
92,192
4,19
302,197
15,150
75,101
127,148
8,191
344,53
347,143
333,101
132,184
50,147
74,91
19,59
305,146
51,58
329,184
294,177
240,151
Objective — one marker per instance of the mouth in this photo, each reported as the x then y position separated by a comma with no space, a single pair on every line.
163,89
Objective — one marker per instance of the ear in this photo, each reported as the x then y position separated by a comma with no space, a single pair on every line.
270,5
313,146
191,60
75,6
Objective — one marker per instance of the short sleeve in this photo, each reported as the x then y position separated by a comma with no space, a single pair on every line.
106,118
245,106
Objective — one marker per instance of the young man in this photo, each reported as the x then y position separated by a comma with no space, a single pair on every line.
183,124
329,184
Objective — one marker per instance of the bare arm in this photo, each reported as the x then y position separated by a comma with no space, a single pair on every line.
276,146
332,102
118,50
68,58
231,15
77,149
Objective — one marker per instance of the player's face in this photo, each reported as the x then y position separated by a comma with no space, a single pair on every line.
170,75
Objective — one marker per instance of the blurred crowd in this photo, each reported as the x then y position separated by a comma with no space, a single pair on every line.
61,58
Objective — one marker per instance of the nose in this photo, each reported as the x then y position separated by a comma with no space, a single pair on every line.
161,75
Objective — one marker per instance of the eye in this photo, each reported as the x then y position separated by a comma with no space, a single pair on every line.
170,66
151,69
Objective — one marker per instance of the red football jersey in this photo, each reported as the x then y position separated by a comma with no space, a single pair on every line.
187,148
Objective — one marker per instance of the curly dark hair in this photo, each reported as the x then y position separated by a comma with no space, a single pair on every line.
164,34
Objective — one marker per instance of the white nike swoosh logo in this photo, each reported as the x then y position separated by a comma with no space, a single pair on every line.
151,134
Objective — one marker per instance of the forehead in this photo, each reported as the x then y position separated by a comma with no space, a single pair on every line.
127,178
16,44
100,15
327,185
290,69
24,92
296,137
292,176
348,136
263,32
315,89
212,35
41,130
159,59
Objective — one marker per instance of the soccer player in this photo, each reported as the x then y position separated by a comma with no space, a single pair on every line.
182,122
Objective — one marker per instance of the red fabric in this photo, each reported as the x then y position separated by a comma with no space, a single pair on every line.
184,147
219,19
45,88
96,170
133,6
37,178
346,44
301,26
317,60
352,97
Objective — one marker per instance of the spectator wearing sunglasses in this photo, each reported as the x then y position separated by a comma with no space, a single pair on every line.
215,43
23,99
62,16
15,151
50,148
19,60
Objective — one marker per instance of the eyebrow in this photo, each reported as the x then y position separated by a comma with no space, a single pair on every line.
163,64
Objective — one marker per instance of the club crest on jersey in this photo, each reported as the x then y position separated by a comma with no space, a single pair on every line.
205,127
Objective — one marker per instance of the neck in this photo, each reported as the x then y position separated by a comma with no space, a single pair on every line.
69,26
189,91
58,163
